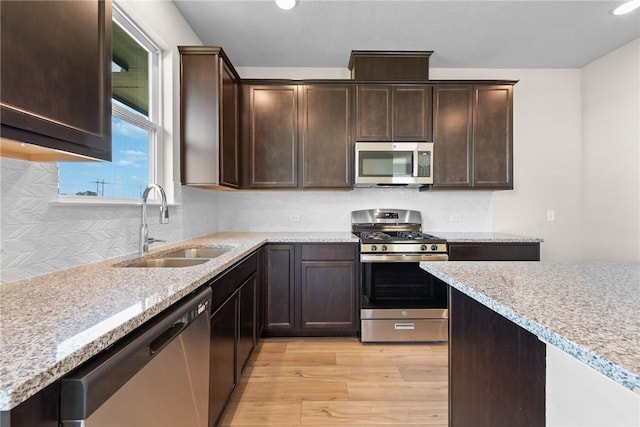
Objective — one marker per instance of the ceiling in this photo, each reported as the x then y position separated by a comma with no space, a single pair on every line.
462,34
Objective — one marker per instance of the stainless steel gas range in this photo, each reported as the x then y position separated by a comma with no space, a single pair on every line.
400,301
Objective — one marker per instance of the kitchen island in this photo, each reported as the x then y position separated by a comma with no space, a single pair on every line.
586,313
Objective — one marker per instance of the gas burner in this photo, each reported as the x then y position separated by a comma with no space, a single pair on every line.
412,235
374,235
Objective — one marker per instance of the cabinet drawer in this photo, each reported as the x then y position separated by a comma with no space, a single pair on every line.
225,285
328,252
404,330
494,252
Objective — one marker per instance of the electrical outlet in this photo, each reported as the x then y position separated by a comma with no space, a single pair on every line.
294,218
551,215
455,217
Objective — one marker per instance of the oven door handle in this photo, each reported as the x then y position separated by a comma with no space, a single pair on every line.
402,258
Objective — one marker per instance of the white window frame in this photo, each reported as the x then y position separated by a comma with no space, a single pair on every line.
153,124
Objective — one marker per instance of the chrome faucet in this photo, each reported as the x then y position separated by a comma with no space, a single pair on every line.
145,240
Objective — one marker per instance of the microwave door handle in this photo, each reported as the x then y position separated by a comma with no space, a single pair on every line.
414,162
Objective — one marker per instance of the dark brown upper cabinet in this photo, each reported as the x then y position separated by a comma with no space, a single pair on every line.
297,136
209,115
271,136
55,84
473,136
326,135
394,113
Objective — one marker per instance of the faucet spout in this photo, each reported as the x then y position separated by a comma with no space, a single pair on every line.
164,216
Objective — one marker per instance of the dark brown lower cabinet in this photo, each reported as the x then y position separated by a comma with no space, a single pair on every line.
311,289
233,331
496,369
222,375
246,322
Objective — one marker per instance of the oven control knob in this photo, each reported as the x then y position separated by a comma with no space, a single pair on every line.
423,247
374,248
434,247
383,248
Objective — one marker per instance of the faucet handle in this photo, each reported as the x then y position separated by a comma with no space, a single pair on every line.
164,215
151,240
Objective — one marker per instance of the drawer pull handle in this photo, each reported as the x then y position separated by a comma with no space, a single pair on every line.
404,325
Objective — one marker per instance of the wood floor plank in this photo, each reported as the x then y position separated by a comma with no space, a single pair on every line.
396,358
273,373
293,359
424,373
294,391
373,413
262,414
398,391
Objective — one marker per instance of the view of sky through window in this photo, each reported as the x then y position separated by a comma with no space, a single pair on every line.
126,176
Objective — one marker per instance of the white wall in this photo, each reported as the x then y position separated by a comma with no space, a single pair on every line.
547,164
611,155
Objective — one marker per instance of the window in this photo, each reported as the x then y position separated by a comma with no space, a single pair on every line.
136,126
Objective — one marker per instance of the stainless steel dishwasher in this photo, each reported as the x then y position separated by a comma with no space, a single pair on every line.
158,376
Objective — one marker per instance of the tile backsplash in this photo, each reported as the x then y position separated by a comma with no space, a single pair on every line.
39,235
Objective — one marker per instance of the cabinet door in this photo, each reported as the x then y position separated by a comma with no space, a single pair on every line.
412,113
246,322
229,141
452,135
327,298
496,369
222,379
373,113
273,134
199,112
325,121
55,83
280,294
492,137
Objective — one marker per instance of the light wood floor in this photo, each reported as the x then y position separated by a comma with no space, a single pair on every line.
337,382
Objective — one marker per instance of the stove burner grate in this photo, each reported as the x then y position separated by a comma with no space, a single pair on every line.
375,235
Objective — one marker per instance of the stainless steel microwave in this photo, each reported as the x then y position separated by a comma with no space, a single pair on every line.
393,163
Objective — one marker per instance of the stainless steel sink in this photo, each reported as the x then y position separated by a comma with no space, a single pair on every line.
166,262
197,253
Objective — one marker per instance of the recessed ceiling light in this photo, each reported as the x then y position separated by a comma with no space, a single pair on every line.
626,7
286,4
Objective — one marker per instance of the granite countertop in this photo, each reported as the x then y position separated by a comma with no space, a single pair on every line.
53,323
484,237
587,309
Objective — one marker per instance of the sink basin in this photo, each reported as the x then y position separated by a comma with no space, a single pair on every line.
197,253
167,262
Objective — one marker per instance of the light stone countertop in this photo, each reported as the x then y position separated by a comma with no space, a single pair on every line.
51,324
590,310
484,237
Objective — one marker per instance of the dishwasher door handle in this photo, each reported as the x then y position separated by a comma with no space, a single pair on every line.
165,338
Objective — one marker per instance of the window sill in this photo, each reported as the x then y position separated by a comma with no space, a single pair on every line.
102,201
